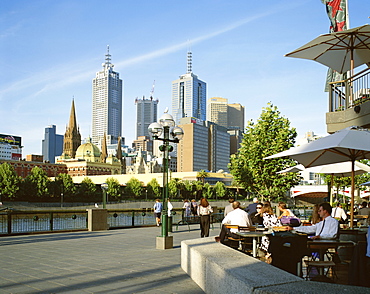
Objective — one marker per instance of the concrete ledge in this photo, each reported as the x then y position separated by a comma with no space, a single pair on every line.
217,268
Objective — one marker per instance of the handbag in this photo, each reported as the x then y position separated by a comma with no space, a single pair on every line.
291,221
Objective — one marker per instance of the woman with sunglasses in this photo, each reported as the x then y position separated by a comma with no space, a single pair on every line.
256,217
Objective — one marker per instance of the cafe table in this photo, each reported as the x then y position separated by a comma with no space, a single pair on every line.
256,235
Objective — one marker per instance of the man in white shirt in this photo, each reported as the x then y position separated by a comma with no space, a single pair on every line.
326,229
339,214
236,217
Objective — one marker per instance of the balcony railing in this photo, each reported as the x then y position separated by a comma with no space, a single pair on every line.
350,92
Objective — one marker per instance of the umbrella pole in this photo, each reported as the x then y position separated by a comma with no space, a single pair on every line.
330,190
352,193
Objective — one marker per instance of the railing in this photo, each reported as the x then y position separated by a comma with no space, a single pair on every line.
350,92
16,222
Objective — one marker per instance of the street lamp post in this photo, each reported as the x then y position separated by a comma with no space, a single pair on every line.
167,132
104,187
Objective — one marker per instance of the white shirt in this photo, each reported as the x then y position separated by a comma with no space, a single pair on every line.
169,208
237,217
339,212
327,228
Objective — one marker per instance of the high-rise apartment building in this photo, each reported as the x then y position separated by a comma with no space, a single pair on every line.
230,116
52,144
217,111
146,113
205,146
107,104
235,117
189,95
10,147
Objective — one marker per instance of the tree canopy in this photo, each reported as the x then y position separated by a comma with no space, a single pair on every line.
9,182
269,135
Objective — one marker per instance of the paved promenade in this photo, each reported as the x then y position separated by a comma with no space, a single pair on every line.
117,261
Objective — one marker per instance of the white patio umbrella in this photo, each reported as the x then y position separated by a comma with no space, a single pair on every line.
341,169
349,144
341,51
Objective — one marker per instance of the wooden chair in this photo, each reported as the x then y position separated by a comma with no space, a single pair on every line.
233,239
321,266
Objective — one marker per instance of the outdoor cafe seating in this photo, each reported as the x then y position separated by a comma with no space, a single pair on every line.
295,252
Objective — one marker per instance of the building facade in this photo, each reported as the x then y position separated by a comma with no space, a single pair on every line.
107,104
10,147
189,96
146,113
235,117
52,144
205,146
217,111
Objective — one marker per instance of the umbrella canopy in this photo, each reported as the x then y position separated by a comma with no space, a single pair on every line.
352,144
341,51
342,169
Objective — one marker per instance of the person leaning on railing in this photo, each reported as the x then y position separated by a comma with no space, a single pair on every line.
325,229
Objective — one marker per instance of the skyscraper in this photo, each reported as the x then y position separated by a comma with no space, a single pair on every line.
146,113
189,95
217,111
52,144
107,104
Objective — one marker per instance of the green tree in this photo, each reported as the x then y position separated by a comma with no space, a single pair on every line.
271,134
66,186
114,189
134,187
174,187
9,182
87,189
198,187
188,188
201,175
37,184
153,188
220,190
208,191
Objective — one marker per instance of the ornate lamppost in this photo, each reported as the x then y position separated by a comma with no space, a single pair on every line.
166,131
104,187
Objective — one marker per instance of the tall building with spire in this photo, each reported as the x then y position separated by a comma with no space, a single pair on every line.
72,136
189,95
107,104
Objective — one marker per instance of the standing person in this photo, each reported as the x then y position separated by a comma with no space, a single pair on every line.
326,229
187,207
194,207
169,207
339,214
204,211
229,207
252,208
158,211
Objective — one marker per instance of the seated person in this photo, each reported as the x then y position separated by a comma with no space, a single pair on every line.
256,217
236,217
284,210
325,229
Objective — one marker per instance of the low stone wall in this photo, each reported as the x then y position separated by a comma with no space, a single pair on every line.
217,268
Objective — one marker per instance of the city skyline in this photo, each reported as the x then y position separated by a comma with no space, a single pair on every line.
51,50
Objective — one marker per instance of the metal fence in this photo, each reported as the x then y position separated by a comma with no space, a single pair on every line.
15,222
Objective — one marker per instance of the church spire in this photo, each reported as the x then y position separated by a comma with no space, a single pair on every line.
104,154
72,136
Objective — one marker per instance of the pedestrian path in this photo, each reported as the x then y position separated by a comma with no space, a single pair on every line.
117,261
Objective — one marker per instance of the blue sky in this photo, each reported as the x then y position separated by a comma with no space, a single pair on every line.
51,50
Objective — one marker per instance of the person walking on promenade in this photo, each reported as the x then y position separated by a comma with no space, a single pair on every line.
169,207
339,214
158,211
194,207
229,207
204,211
187,207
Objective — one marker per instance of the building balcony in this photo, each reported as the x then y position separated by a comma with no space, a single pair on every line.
349,102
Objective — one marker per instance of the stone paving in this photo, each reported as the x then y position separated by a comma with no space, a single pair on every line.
116,261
